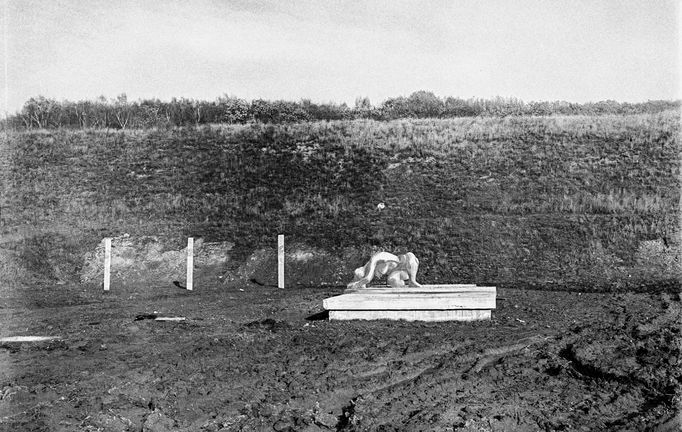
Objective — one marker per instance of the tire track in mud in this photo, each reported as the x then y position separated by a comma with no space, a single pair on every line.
440,360
647,346
493,354
560,381
436,370
355,365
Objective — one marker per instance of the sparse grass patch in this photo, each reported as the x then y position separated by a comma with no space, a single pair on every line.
655,259
613,202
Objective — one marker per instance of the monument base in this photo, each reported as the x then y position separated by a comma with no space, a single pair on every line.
412,315
425,303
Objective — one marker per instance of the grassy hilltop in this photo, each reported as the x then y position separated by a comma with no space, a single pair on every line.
564,202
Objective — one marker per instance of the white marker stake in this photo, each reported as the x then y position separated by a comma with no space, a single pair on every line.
190,263
107,263
280,261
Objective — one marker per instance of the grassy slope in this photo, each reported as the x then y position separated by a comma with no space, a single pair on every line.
566,201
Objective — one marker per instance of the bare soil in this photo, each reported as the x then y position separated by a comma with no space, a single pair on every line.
252,358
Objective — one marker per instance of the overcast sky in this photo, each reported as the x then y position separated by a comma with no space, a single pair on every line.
574,50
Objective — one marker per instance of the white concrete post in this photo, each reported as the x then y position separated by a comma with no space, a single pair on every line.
107,263
190,263
280,261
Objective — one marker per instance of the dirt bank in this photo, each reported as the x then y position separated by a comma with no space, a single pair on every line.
151,258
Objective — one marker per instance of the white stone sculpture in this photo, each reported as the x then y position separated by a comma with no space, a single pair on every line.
398,268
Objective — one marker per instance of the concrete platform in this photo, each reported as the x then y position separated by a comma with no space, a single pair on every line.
425,303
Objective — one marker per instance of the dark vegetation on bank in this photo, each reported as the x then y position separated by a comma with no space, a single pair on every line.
572,202
120,113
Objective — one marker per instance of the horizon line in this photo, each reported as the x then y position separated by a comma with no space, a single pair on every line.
332,102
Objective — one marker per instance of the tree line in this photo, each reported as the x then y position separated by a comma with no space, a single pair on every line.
120,113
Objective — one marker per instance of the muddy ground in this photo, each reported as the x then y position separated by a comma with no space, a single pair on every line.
251,358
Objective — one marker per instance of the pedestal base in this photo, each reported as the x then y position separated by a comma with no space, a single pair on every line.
412,315
425,303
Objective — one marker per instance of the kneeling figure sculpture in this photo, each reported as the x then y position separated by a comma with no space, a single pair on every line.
398,268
